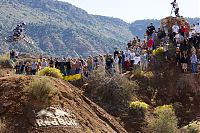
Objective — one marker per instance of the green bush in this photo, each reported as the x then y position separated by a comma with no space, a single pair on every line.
138,108
158,51
41,89
52,72
164,121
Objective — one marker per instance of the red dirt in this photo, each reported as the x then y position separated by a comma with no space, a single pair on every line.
16,109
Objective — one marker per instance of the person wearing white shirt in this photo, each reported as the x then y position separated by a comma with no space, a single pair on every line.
132,55
175,29
136,61
44,64
197,28
127,59
116,64
176,7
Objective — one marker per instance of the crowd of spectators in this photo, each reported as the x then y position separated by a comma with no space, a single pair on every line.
136,55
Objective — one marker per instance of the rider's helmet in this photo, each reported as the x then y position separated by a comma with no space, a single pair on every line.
23,23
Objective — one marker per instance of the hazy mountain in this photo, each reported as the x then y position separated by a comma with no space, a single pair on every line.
61,29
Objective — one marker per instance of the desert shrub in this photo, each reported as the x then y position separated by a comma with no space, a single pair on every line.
41,89
52,72
138,109
112,91
193,127
138,73
5,61
158,51
164,121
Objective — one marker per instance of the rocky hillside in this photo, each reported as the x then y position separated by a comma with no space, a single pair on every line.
68,111
59,28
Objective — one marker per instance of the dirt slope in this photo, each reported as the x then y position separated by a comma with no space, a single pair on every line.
19,113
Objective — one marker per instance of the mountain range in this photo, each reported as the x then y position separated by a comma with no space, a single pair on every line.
61,29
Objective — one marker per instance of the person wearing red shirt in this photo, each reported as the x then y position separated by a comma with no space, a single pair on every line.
150,44
183,30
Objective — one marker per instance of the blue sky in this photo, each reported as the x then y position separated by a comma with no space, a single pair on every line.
131,10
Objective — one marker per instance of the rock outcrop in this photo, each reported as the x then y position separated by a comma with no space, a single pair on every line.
170,21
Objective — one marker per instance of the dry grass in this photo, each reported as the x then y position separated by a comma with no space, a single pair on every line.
2,127
42,89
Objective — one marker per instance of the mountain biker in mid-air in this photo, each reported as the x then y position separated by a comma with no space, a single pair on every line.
18,30
18,34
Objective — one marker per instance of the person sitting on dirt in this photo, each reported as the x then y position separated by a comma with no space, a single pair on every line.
176,7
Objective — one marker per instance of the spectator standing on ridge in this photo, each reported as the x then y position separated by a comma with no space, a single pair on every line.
120,63
178,56
176,7
51,62
150,44
33,68
184,61
150,30
116,64
127,59
109,64
68,66
197,28
175,29
132,55
193,59
44,63
166,49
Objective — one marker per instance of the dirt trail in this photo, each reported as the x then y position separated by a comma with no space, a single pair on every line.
17,109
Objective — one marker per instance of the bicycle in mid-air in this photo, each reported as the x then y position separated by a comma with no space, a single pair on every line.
19,35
